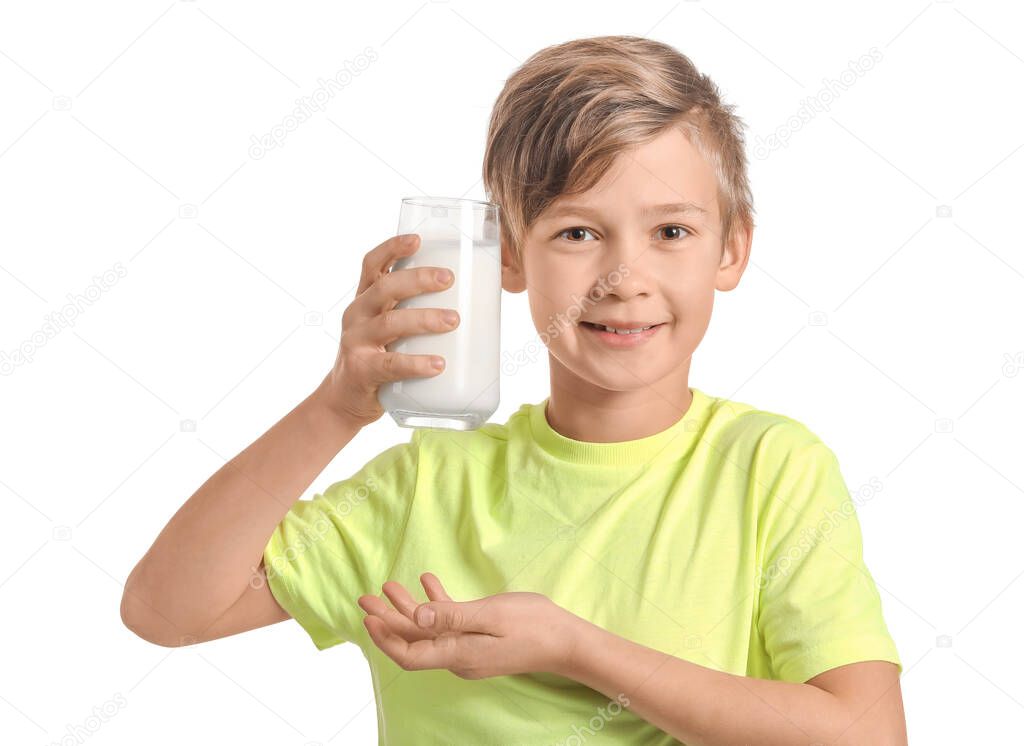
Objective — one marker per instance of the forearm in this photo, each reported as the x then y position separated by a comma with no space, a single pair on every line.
201,561
702,706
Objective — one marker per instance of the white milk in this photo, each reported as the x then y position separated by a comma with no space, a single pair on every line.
465,393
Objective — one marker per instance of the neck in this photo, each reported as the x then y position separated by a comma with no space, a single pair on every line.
581,410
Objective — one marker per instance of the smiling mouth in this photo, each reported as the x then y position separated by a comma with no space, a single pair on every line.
621,332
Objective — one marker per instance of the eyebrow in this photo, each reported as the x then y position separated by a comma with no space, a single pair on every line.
668,209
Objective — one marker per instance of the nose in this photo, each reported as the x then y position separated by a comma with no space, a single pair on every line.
626,273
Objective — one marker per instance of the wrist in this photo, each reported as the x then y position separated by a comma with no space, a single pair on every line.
579,636
320,404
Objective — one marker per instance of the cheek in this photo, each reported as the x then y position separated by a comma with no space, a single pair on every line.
550,291
691,287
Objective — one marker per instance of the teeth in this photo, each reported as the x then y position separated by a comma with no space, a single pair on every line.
622,331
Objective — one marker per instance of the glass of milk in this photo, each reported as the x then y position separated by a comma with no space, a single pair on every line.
462,235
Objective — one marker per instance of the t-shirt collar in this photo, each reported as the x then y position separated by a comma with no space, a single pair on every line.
673,441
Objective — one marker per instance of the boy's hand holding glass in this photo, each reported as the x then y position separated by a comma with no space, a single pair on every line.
373,320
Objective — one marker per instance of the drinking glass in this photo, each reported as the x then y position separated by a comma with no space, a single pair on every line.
462,235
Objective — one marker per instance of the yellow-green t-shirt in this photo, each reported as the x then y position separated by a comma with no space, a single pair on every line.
729,539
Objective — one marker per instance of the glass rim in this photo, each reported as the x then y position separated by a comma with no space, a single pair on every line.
423,200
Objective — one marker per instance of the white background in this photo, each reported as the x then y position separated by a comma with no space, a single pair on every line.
886,322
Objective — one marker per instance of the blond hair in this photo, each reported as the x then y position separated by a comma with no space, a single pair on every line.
571,108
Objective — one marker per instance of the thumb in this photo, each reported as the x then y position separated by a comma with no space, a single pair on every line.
452,616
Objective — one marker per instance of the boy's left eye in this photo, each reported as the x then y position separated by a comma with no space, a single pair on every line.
579,229
673,227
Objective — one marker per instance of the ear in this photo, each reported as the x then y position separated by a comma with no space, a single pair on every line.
735,254
513,279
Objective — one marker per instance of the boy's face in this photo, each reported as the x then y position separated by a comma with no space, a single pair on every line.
612,261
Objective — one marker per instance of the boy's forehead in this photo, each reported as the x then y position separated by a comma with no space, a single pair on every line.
667,175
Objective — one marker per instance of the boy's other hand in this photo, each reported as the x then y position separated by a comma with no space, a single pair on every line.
372,320
500,635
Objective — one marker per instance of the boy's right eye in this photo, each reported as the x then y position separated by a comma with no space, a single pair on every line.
576,230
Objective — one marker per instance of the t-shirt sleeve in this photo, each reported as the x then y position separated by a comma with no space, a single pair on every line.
819,607
341,544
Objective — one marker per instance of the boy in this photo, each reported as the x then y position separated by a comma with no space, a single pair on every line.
641,562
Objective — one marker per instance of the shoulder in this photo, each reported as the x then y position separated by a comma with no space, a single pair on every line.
765,455
765,435
790,474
